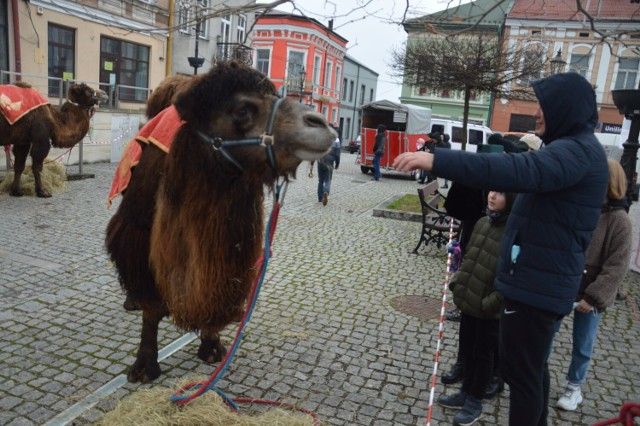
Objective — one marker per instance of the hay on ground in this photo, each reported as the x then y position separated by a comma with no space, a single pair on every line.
152,407
54,179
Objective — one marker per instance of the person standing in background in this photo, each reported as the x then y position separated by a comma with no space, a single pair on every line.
378,150
606,263
326,166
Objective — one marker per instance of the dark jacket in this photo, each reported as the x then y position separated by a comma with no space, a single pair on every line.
378,146
561,191
472,286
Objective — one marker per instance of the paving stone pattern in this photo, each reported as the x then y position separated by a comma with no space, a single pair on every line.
324,333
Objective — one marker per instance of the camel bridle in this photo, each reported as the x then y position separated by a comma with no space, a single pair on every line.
88,107
265,140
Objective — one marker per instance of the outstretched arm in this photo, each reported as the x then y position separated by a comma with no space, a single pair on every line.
410,161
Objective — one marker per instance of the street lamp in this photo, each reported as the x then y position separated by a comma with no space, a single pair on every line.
194,61
303,75
628,103
556,65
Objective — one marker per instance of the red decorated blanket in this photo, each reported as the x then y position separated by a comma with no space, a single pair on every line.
16,101
158,131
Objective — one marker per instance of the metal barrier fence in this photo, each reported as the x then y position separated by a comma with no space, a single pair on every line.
56,88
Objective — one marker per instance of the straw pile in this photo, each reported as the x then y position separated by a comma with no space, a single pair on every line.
54,179
152,407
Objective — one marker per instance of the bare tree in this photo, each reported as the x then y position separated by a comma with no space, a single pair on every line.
470,63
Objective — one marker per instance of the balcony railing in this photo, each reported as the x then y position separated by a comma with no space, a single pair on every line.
237,51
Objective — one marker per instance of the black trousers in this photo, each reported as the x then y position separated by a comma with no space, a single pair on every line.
478,344
526,334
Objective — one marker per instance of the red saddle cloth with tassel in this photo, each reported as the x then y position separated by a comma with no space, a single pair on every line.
16,101
158,131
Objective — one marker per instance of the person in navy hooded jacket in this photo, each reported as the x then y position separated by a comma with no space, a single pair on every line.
542,252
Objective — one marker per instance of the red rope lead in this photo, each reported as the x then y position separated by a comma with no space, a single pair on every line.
628,411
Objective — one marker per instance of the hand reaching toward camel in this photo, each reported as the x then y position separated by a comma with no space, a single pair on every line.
410,161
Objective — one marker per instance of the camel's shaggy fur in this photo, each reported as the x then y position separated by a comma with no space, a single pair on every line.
188,232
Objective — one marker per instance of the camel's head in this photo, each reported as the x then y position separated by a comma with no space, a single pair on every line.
233,102
85,96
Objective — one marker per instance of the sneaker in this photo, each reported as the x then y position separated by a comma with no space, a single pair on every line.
454,315
456,400
455,375
470,413
570,399
325,198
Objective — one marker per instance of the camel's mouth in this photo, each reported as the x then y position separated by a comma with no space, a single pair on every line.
100,96
309,154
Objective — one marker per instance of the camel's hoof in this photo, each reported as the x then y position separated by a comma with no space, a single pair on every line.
130,304
43,194
144,371
212,352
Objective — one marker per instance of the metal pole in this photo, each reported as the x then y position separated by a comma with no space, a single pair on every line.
630,155
195,65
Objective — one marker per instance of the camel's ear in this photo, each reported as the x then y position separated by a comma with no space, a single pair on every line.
197,102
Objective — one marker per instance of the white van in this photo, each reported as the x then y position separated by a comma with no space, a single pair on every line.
476,133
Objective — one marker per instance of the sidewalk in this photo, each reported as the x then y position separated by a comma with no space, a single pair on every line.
331,330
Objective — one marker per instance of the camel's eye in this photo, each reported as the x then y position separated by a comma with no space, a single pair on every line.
245,112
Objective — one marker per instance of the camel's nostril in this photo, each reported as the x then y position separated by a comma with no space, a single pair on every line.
315,119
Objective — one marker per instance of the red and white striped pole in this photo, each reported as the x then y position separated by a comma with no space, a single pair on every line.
441,326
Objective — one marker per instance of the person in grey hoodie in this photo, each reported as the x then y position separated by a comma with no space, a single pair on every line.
542,253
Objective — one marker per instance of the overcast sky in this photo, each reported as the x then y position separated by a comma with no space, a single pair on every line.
371,31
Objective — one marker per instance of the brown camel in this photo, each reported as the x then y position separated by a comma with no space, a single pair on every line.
46,126
189,229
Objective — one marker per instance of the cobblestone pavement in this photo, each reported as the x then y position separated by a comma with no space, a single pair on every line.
325,333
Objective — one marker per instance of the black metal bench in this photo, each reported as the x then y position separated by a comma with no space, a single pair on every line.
435,221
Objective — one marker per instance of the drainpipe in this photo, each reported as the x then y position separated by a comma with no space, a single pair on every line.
167,71
16,37
355,102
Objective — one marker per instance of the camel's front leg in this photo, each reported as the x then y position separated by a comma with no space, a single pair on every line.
146,367
20,153
39,153
211,349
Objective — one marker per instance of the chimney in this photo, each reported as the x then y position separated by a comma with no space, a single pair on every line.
331,24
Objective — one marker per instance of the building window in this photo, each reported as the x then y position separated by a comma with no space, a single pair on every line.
627,73
188,16
521,123
316,69
294,67
125,63
242,28
347,130
61,50
338,72
262,60
344,89
579,64
531,64
225,28
362,92
351,91
327,74
370,95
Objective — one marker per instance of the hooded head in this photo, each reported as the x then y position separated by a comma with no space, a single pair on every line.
381,128
435,136
568,103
